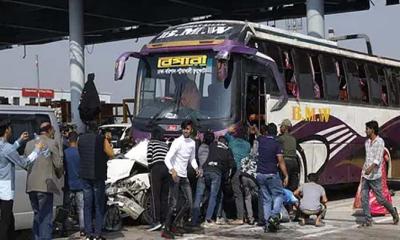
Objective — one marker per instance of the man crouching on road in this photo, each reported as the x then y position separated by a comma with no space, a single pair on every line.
181,152
313,200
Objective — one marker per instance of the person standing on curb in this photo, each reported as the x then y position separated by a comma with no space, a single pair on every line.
372,173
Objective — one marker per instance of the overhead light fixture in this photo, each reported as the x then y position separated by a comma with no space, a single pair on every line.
392,2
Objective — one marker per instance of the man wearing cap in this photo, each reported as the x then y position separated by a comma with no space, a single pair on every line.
9,157
42,181
289,154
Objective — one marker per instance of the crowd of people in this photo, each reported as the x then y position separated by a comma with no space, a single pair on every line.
243,164
236,165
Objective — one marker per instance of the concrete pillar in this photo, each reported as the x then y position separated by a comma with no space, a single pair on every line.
315,18
77,59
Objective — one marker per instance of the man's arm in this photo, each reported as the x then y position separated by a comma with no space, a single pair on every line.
149,151
56,157
171,152
13,156
108,149
194,163
324,199
282,166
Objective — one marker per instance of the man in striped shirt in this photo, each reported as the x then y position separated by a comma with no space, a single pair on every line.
156,151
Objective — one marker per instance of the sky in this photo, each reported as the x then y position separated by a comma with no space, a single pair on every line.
379,23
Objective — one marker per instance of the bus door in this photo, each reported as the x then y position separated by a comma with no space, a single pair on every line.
255,99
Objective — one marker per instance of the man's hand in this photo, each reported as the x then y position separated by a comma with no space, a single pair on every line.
285,181
369,169
40,146
24,136
199,172
174,175
231,129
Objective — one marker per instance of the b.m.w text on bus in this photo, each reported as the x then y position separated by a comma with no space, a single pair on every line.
311,114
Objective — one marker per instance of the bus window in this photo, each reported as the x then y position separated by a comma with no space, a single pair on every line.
343,91
288,71
393,77
317,77
374,85
356,82
273,51
304,75
384,90
331,76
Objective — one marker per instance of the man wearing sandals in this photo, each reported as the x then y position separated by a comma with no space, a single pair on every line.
312,200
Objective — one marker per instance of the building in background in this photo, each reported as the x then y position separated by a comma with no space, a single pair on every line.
29,96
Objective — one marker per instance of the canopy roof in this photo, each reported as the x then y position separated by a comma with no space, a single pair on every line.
24,22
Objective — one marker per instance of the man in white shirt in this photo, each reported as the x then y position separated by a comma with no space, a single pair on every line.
372,173
181,152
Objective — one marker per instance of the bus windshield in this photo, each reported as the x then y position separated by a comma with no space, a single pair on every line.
181,86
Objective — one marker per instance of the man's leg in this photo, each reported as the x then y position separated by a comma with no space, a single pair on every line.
35,208
88,209
172,201
45,215
266,196
186,190
246,186
320,215
99,196
7,230
155,178
376,186
212,201
237,191
164,194
80,209
197,202
293,172
365,200
276,189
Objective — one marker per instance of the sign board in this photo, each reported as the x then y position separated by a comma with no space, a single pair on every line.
33,92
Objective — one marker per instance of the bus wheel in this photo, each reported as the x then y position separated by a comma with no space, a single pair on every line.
112,219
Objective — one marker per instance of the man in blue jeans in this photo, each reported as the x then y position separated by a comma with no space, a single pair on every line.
270,157
372,173
94,151
219,161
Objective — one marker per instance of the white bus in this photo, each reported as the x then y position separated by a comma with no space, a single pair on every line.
231,72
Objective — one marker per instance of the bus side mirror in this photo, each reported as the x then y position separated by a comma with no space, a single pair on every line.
119,70
222,65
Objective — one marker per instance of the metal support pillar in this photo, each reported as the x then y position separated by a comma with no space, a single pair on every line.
315,18
77,59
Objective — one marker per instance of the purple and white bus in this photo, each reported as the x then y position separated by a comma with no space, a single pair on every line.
220,73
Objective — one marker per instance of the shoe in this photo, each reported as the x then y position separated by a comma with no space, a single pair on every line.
251,221
221,221
99,238
82,234
155,227
88,237
395,217
208,224
367,223
273,224
237,222
261,224
167,234
177,231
